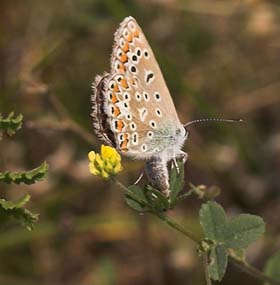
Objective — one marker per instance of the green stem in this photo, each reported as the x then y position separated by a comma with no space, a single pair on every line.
252,271
205,266
177,227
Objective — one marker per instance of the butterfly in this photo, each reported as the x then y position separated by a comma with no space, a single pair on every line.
132,108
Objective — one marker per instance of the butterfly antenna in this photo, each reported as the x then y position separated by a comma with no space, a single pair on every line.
206,120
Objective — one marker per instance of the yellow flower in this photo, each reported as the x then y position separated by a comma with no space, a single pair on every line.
106,164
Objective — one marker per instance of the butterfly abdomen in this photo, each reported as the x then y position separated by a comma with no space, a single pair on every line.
157,174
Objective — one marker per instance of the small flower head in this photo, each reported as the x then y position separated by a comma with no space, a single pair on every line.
105,164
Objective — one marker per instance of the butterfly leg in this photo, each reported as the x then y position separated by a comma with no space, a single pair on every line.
183,156
175,164
139,178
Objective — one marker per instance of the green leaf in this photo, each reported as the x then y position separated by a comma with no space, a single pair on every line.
243,230
218,262
11,124
157,200
213,220
136,199
272,267
10,209
238,233
26,177
9,205
176,181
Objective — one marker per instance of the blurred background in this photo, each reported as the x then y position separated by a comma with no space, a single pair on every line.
219,58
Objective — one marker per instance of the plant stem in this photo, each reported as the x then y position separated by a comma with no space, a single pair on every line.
205,266
178,227
252,271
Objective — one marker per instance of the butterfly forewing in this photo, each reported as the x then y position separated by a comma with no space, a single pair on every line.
133,55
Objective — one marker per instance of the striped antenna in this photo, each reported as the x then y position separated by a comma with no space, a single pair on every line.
206,120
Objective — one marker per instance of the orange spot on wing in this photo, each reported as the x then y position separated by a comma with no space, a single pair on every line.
125,47
124,83
116,88
117,111
114,98
124,143
123,57
129,37
120,125
136,33
121,68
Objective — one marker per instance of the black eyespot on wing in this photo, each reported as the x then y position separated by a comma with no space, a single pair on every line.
149,77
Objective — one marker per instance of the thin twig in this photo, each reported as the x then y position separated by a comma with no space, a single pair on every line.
205,266
68,125
253,271
178,227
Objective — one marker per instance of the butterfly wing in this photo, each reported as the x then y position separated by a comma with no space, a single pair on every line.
133,55
132,107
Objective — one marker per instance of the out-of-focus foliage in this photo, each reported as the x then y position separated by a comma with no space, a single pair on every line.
26,177
272,267
11,123
16,209
219,58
